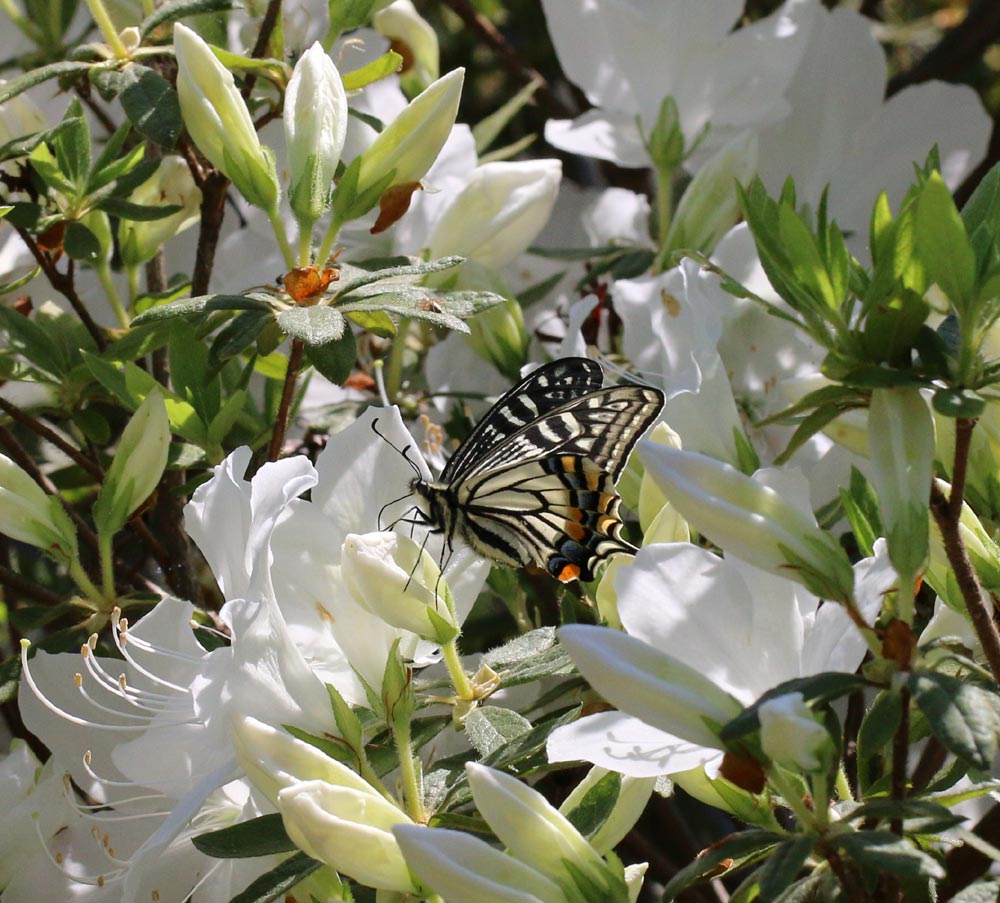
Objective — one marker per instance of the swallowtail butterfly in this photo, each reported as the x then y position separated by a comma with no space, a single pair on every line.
534,483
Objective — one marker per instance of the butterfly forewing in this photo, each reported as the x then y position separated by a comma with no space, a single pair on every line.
534,483
537,394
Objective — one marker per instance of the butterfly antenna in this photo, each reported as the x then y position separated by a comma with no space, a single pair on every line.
413,570
381,511
401,451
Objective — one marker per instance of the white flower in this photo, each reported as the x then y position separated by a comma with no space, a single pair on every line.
790,734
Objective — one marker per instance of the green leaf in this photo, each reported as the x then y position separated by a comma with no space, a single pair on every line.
862,511
80,243
335,360
376,322
190,307
72,145
273,885
42,74
490,727
53,18
575,254
593,810
877,730
743,848
986,891
315,325
941,245
261,836
238,334
882,851
138,342
782,867
963,716
355,277
981,215
189,372
109,166
345,15
918,816
152,106
140,213
380,68
489,127
29,339
181,9
956,403
529,658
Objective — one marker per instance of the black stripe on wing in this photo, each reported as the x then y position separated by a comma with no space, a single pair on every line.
540,392
601,426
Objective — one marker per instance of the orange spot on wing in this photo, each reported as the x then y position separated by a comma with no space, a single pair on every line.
593,480
574,530
569,572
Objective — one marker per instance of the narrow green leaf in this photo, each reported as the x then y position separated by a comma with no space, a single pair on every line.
72,145
80,243
742,849
782,867
29,339
238,334
140,213
375,321
593,810
355,277
190,307
490,727
261,836
941,243
36,76
181,9
489,127
379,68
882,851
21,281
919,816
963,716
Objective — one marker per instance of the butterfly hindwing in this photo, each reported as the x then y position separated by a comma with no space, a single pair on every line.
538,393
534,483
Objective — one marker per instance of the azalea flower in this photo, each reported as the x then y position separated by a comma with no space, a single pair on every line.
736,627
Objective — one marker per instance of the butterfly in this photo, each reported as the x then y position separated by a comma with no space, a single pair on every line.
534,483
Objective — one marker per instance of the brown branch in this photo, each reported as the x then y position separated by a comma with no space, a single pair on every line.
931,761
508,57
965,863
960,468
900,752
263,39
64,284
956,50
27,588
965,576
52,437
287,396
213,199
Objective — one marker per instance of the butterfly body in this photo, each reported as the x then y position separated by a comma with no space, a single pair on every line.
534,482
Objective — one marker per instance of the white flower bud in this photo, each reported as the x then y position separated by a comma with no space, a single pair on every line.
395,579
28,515
137,467
315,129
413,38
790,734
219,122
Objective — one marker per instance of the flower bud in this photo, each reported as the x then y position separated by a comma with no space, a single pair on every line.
315,129
791,735
901,443
218,121
171,185
538,834
750,520
329,811
28,515
665,143
649,684
412,37
395,579
409,144
137,467
630,803
709,207
499,212
498,335
97,223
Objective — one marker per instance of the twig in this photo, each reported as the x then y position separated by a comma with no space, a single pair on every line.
963,443
965,576
213,199
900,753
64,284
27,588
287,396
964,864
51,436
263,39
508,57
929,764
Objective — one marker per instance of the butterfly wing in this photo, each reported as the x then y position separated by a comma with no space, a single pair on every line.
545,494
537,394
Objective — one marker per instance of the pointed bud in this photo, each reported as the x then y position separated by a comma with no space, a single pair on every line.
498,335
409,145
137,467
395,579
171,185
315,128
750,520
791,735
218,121
28,515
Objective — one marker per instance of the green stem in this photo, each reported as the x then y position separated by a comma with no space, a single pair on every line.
333,230
792,797
107,27
278,225
105,550
107,283
459,679
412,793
906,598
132,273
394,367
305,244
90,591
664,215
